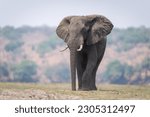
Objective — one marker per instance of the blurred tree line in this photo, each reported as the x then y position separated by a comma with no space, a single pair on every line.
126,39
119,73
14,35
27,70
22,72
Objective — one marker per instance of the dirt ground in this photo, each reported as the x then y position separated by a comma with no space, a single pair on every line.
23,91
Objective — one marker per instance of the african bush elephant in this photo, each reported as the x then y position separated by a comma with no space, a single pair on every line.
86,39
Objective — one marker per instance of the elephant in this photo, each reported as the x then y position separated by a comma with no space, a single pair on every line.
86,38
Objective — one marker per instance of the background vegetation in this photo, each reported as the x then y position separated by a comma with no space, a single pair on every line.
31,54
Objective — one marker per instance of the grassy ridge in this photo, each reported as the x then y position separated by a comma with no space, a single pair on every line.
62,91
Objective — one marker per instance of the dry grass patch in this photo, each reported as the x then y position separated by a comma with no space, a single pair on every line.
62,91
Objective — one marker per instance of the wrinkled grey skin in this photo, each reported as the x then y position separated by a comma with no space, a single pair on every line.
89,31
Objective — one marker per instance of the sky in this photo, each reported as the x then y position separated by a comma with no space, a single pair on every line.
122,13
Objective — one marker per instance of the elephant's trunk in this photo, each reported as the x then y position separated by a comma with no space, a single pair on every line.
73,69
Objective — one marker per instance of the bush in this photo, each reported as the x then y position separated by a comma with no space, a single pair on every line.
117,73
44,47
126,39
48,46
142,71
25,71
13,45
9,32
59,73
4,70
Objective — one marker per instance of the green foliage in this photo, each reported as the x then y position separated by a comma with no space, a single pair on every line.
55,41
44,47
146,64
114,70
49,45
126,39
143,71
25,71
4,70
117,72
13,45
59,73
10,32
122,73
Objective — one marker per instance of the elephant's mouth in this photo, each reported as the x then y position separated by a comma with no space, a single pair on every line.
73,49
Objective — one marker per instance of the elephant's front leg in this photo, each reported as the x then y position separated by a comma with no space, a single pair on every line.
90,67
81,65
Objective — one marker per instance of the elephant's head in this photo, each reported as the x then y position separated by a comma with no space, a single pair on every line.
77,31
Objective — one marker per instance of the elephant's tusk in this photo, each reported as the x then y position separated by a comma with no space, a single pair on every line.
80,48
64,49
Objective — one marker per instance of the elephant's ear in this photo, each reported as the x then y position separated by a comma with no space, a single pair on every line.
63,28
100,28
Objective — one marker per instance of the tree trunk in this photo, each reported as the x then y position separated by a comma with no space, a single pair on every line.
73,69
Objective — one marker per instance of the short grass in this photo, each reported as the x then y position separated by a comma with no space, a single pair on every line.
63,91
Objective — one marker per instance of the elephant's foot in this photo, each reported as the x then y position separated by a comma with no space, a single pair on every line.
87,89
93,88
84,89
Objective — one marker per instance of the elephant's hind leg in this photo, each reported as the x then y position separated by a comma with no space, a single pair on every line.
100,53
91,63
